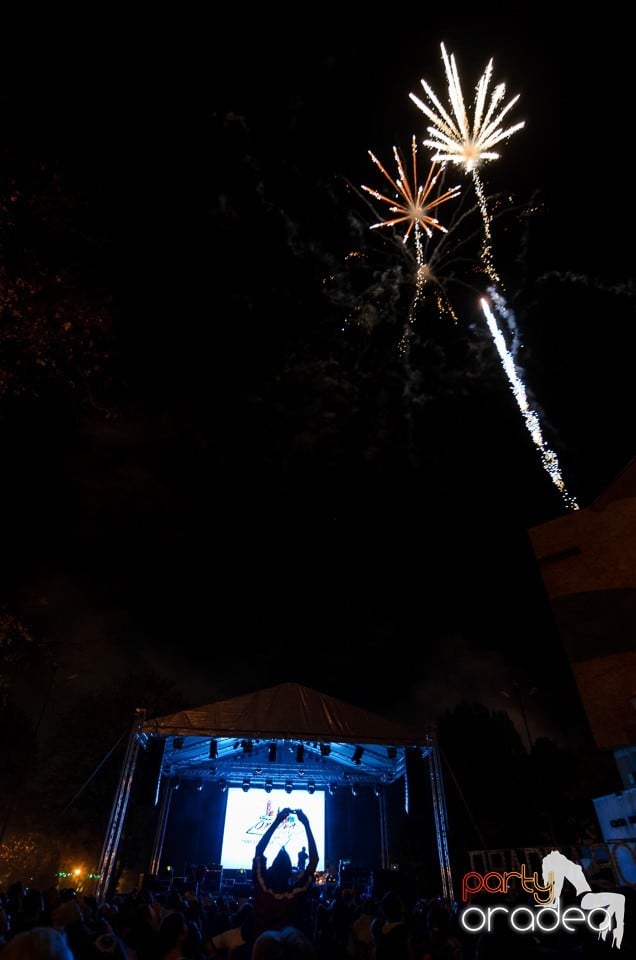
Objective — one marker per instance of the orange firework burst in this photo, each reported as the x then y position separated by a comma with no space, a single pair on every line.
413,203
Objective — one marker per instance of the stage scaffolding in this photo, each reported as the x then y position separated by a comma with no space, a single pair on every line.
107,867
107,864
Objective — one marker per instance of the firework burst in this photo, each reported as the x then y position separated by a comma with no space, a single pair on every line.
454,140
412,202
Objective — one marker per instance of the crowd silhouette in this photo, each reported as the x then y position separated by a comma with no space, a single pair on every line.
344,925
287,915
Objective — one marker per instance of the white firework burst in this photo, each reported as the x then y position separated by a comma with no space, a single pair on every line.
454,141
451,136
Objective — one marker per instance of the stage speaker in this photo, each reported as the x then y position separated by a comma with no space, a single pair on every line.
384,880
357,879
212,880
179,884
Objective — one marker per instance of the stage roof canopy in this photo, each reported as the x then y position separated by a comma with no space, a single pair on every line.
284,736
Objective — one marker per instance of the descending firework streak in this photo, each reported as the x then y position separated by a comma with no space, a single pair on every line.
455,141
549,458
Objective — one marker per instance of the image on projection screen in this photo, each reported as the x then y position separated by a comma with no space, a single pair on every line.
250,813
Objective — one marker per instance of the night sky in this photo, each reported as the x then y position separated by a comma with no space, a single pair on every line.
218,463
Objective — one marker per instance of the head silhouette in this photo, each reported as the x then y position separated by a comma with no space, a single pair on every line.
392,906
286,944
279,873
39,943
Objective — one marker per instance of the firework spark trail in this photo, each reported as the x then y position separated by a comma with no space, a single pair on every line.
549,458
504,311
454,141
412,203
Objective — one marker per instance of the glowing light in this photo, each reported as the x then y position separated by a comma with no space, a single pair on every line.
414,211
549,458
412,203
453,139
456,141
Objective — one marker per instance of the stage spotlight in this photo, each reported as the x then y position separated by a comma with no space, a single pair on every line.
325,749
311,787
288,786
354,790
214,750
332,789
246,785
357,755
177,743
200,786
223,785
377,791
300,753
176,785
269,786
271,756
